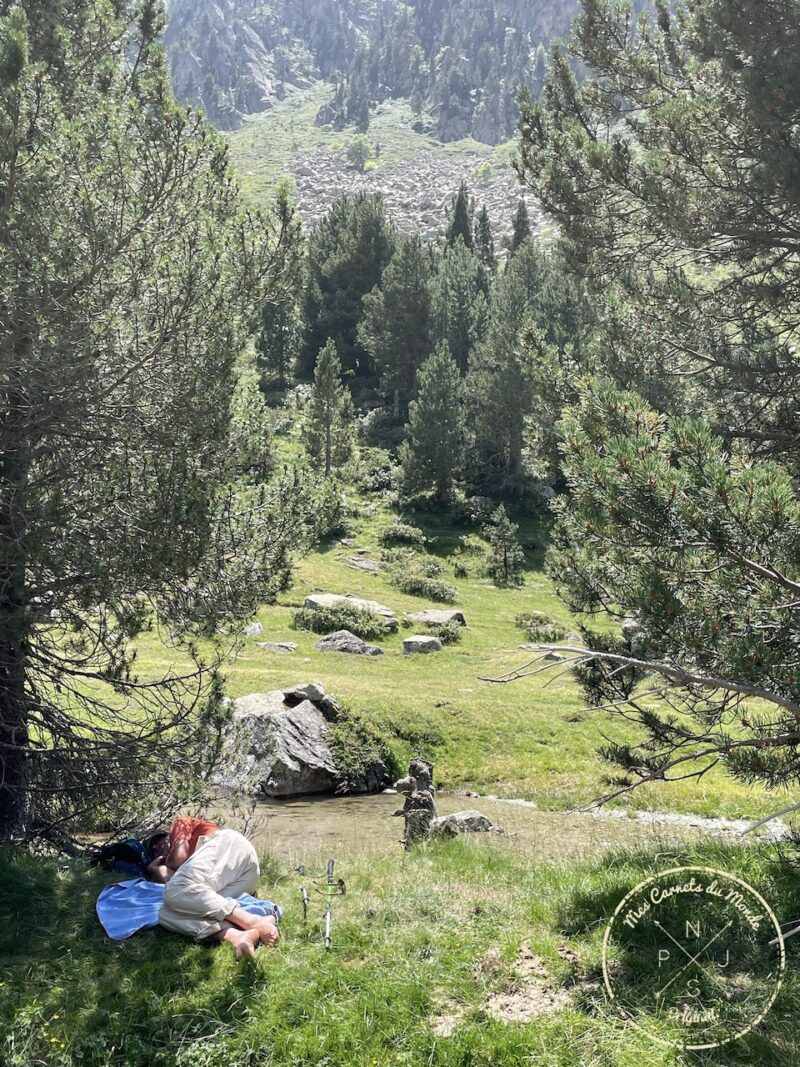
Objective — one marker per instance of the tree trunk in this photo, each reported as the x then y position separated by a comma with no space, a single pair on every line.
14,738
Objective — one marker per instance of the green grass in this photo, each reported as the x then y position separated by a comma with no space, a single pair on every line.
263,149
526,739
419,938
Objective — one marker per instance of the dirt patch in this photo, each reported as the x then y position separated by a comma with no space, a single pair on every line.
446,1023
529,994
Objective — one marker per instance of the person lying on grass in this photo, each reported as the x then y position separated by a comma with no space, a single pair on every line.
205,869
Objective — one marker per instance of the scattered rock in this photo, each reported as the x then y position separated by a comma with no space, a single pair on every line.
463,822
317,601
412,189
344,641
255,629
436,617
360,564
348,542
421,643
278,646
313,691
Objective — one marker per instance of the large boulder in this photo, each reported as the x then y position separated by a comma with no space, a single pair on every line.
463,822
318,601
421,643
437,617
344,641
280,751
278,747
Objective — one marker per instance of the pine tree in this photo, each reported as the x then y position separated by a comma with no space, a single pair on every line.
461,213
484,239
459,302
122,320
537,341
328,436
348,252
432,458
683,513
280,327
506,561
522,227
396,326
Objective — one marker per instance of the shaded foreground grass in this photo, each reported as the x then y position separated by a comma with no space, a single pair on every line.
423,942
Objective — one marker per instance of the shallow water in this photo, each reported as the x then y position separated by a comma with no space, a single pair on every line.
307,829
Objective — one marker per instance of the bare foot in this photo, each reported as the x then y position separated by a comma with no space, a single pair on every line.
245,945
267,931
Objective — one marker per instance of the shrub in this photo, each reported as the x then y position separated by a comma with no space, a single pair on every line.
473,510
398,557
328,620
540,627
449,633
401,533
431,568
415,584
330,512
380,429
359,747
376,471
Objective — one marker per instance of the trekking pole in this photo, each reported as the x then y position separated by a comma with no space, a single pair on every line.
329,905
303,892
332,889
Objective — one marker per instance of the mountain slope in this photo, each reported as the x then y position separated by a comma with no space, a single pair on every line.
235,57
461,62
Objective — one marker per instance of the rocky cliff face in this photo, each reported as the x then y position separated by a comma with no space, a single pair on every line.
235,57
462,60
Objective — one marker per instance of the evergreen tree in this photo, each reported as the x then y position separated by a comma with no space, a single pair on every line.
396,327
459,302
359,153
539,329
122,317
484,240
328,434
432,458
522,227
461,214
280,327
348,252
683,515
506,561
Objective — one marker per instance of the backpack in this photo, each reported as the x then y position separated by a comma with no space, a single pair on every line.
128,857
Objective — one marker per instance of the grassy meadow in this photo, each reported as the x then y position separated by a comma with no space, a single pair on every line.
531,738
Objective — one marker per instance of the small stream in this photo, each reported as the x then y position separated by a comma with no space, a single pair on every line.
306,829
